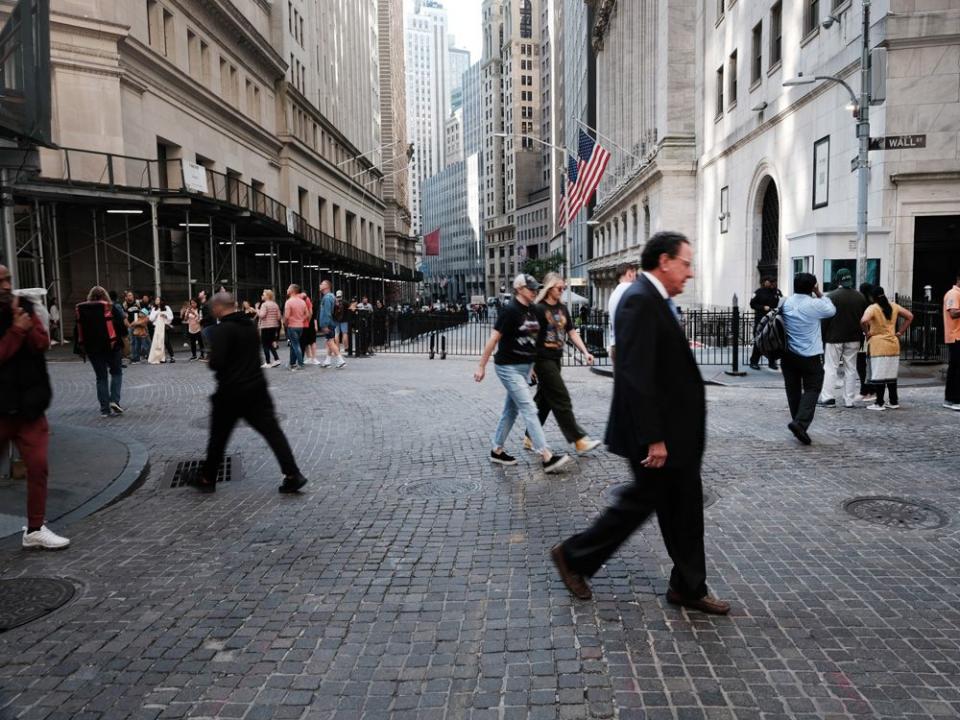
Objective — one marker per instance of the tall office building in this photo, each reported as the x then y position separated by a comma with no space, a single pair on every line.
457,63
428,95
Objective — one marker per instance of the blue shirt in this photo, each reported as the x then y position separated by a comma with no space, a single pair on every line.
801,319
325,316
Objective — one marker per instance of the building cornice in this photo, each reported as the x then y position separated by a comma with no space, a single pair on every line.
243,32
950,176
603,9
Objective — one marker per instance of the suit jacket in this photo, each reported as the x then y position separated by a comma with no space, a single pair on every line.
658,392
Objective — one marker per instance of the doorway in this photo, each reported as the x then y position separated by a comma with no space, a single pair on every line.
936,254
769,263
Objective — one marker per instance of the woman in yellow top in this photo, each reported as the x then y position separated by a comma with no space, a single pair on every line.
879,324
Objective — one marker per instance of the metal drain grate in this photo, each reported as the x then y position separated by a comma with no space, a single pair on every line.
439,488
25,599
611,494
896,513
185,471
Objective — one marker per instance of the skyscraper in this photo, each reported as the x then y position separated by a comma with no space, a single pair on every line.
457,63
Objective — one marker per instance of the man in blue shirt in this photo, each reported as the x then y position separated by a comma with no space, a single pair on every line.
802,363
327,326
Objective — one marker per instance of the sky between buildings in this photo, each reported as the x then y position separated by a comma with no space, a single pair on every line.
465,25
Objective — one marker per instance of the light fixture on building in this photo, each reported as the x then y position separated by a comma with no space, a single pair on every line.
183,225
227,242
124,212
760,106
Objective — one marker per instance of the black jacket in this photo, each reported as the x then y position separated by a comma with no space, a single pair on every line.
24,384
658,392
769,297
235,357
92,326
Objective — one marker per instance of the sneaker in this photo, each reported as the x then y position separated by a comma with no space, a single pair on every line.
275,363
891,406
952,406
106,413
527,443
172,360
265,366
865,398
341,365
874,406
586,444
315,362
294,368
554,464
44,538
502,458
192,358
774,367
754,366
325,364
292,483
116,408
827,403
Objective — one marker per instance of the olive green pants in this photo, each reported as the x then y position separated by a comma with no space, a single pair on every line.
552,396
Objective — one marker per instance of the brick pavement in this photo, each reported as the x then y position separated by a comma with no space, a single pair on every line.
411,580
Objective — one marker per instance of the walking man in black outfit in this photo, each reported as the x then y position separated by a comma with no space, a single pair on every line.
765,299
658,422
241,394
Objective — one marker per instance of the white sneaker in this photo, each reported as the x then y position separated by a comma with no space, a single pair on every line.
275,363
342,364
44,538
265,366
325,364
952,406
891,406
874,406
315,362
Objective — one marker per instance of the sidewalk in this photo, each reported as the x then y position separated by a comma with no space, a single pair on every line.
89,469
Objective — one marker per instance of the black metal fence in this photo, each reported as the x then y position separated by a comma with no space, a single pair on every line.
717,336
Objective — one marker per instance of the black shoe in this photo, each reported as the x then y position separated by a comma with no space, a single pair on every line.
828,403
106,413
293,483
754,366
171,359
555,463
116,408
774,366
799,433
502,458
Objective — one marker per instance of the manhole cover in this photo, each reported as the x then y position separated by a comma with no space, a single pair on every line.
203,421
439,487
613,492
896,513
184,471
26,599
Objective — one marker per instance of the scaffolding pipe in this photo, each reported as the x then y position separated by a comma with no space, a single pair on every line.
96,249
212,256
56,266
189,263
273,278
43,269
156,248
126,235
233,258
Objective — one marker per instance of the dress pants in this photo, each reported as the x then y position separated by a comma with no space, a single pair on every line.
676,495
552,395
952,391
803,380
833,354
257,409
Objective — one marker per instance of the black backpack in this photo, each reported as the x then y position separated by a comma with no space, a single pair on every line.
770,338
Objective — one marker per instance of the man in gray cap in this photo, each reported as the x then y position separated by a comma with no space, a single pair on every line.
842,338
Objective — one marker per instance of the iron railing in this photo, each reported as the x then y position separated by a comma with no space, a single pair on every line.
924,341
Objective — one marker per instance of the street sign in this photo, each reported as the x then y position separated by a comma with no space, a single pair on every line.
898,142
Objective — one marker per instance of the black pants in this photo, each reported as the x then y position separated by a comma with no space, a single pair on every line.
552,396
881,387
952,391
196,340
803,379
268,336
257,409
676,495
865,389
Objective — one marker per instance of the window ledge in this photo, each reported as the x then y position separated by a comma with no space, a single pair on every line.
718,118
774,68
731,107
719,20
755,84
842,7
810,36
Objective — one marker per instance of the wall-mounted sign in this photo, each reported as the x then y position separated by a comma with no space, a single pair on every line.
898,142
194,177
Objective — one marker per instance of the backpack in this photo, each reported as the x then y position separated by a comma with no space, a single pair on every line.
770,338
96,327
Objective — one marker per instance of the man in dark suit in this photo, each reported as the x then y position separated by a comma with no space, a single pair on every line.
658,422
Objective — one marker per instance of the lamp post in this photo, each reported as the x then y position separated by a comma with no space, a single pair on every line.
861,107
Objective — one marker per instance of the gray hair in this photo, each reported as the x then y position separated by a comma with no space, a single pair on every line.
224,298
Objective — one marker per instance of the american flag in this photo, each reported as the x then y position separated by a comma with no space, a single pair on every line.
566,201
593,162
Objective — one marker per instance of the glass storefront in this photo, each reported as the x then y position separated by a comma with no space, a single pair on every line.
832,267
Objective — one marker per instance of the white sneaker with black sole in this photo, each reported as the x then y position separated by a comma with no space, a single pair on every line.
43,539
555,463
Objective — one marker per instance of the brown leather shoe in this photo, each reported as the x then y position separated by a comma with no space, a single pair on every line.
707,604
575,583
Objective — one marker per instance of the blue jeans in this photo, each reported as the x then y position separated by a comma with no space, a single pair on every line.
139,348
296,352
102,363
519,401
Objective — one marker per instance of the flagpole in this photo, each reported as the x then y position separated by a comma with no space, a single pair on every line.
604,137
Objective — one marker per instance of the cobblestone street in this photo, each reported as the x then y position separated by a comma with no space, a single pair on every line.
411,578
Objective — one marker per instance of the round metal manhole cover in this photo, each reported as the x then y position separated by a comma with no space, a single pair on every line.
896,512
439,488
710,497
203,421
25,599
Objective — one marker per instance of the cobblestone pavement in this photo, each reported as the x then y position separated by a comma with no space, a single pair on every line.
411,580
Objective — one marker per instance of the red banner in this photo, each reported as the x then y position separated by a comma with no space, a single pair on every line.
431,243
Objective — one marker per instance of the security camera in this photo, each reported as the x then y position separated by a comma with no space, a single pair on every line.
829,21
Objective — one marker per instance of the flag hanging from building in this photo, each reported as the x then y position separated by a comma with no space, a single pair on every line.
593,162
568,207
431,243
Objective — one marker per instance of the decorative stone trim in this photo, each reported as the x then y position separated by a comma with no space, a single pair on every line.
604,9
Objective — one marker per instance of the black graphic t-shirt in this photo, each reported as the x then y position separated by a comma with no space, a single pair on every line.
518,327
555,326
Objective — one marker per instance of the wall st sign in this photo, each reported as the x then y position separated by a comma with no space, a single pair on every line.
898,142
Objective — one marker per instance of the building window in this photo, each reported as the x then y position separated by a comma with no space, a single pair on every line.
169,35
721,8
756,57
811,17
720,91
526,19
776,34
732,100
724,209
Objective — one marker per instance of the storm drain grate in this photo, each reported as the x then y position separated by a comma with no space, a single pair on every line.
184,472
439,488
23,600
896,513
710,496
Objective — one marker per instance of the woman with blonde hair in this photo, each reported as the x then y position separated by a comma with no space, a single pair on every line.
879,324
269,313
556,330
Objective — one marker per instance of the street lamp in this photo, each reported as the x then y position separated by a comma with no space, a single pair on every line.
861,108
